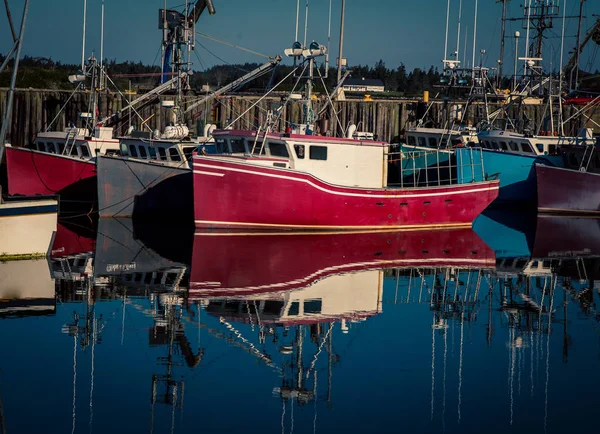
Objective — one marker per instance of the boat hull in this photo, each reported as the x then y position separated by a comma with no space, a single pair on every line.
232,194
516,173
271,262
567,191
34,173
128,188
27,228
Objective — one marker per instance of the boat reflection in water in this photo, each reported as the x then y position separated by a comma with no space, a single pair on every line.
26,289
305,318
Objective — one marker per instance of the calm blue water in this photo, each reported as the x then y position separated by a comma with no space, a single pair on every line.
118,339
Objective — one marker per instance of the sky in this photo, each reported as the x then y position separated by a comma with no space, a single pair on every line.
411,32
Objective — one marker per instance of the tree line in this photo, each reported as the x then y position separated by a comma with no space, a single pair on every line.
45,73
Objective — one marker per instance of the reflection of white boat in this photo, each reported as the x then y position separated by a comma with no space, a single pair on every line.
353,296
26,288
27,227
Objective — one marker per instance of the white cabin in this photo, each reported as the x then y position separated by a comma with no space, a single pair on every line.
338,161
75,142
425,139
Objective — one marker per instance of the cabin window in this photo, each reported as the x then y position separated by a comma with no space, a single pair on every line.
540,147
294,309
152,152
39,146
552,149
188,152
124,150
257,147
273,307
85,151
318,152
503,146
174,154
74,152
143,153
51,148
299,150
61,147
278,150
526,147
421,141
133,151
162,154
457,142
313,306
513,146
411,141
237,146
433,142
443,143
221,146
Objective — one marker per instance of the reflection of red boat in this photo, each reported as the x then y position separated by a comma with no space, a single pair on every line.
566,237
69,242
230,264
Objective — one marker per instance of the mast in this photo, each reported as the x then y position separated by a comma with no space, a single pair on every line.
102,49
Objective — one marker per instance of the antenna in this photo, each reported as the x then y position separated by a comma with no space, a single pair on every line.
328,42
102,49
446,42
83,42
341,57
458,32
306,23
474,38
297,18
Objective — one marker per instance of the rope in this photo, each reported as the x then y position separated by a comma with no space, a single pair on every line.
229,44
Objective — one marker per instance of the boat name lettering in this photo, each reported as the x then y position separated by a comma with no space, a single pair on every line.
120,267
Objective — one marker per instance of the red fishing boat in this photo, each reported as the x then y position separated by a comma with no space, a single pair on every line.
294,181
63,162
234,264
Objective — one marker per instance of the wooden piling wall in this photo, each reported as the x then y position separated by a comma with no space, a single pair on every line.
34,110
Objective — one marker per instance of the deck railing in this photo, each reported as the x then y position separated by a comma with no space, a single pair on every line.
435,168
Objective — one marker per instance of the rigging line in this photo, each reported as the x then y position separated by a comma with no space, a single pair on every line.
221,59
331,102
270,91
63,107
126,99
212,38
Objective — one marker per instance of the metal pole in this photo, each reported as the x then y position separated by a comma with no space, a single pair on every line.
501,61
517,34
339,77
578,43
474,39
297,18
83,38
102,49
13,81
447,23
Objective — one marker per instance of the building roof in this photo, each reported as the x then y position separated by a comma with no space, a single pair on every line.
350,81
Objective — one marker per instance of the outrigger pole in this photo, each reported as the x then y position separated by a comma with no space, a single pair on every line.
17,50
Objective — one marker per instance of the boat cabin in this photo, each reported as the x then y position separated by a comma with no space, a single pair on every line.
533,145
439,138
168,152
75,142
339,161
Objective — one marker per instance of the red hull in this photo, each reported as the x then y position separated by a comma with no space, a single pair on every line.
232,194
33,173
233,264
566,191
69,243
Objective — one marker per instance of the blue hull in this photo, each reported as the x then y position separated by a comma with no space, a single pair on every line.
517,175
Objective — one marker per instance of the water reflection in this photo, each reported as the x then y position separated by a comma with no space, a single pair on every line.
443,330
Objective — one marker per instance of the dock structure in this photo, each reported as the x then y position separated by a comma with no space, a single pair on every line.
35,109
